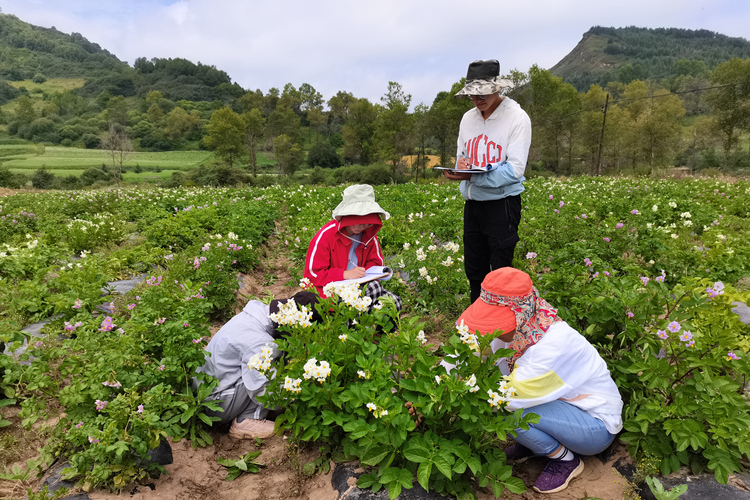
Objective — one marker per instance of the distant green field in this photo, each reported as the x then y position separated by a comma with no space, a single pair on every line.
23,157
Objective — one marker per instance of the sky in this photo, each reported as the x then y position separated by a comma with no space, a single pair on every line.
361,46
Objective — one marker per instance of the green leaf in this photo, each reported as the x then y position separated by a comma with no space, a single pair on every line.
394,489
474,464
232,474
205,419
423,475
241,465
375,455
442,465
416,451
515,485
406,478
389,474
366,480
497,488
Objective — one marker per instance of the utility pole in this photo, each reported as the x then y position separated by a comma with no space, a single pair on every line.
601,138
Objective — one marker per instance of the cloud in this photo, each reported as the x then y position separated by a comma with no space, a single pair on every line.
361,46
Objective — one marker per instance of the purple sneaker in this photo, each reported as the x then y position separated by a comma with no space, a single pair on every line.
517,452
557,474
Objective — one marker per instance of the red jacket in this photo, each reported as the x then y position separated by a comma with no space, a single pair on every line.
328,253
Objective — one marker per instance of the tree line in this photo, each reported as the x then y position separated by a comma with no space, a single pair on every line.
645,123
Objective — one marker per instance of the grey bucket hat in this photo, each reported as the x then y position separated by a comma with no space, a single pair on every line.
359,199
483,78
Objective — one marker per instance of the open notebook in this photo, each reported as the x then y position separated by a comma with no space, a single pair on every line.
454,170
371,274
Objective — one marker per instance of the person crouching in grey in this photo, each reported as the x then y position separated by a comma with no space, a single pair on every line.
227,357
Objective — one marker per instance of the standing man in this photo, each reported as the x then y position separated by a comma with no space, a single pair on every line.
495,136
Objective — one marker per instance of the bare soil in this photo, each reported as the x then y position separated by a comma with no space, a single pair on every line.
196,475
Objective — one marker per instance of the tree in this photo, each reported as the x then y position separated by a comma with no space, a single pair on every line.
655,115
252,100
284,121
519,90
358,131
226,134
692,96
254,125
288,155
270,101
730,104
660,128
180,123
444,119
338,106
118,147
117,110
25,113
420,135
552,111
393,127
318,120
155,113
102,99
42,179
310,97
291,98
590,125
323,154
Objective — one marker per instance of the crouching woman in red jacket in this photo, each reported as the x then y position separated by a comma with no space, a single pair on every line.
348,245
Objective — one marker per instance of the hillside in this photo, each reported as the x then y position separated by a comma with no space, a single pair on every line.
28,51
626,54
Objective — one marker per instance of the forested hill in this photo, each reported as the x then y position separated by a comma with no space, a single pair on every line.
28,51
625,54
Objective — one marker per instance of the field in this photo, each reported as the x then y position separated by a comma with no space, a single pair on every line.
30,158
647,269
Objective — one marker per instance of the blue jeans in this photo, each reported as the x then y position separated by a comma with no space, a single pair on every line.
561,423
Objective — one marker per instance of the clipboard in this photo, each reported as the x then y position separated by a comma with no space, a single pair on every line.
463,171
371,274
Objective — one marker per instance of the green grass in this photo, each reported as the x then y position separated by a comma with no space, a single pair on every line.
62,158
51,85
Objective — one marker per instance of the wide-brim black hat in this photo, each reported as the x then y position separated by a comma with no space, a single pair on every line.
483,78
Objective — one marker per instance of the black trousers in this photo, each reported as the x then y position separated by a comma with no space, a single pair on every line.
490,237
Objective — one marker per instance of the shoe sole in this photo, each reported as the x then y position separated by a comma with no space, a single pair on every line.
576,472
244,435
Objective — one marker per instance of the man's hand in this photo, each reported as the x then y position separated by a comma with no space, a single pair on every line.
457,177
354,273
462,164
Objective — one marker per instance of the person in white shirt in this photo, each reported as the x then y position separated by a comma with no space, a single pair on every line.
555,372
494,137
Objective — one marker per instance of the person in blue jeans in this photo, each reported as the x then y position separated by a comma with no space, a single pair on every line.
556,373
